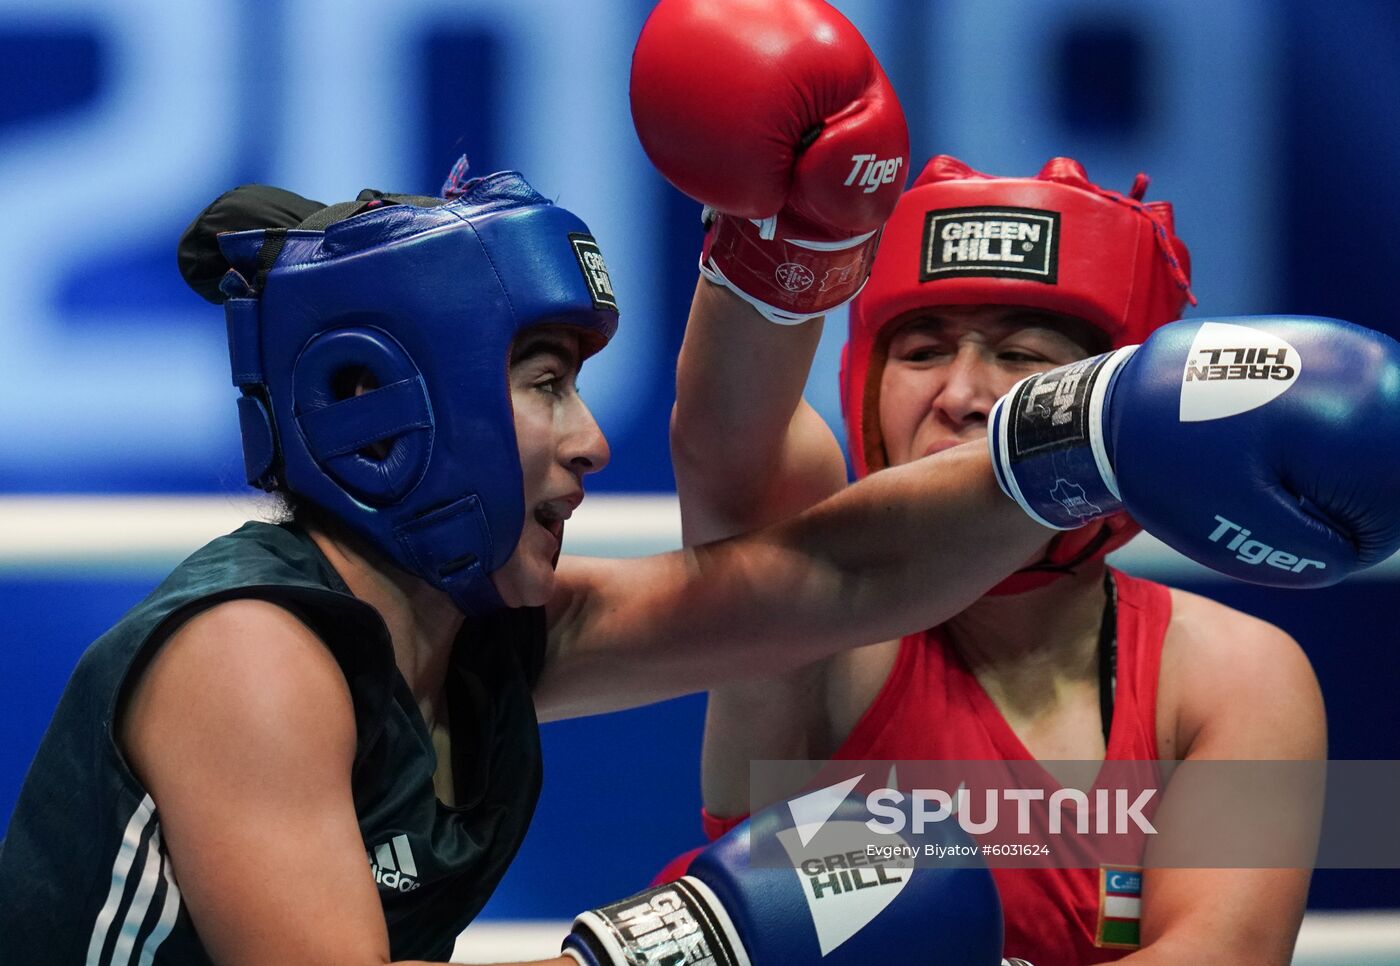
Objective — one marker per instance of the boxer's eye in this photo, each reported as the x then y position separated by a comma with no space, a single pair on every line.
1020,356
922,352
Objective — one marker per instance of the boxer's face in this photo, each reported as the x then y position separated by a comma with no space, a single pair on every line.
947,366
559,444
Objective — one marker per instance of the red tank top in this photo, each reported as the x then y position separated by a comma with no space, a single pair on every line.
932,708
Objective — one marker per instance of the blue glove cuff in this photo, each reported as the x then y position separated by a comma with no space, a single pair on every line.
1049,450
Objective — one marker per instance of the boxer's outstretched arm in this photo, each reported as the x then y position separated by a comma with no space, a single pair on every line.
904,549
910,546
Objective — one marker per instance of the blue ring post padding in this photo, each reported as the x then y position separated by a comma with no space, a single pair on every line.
354,423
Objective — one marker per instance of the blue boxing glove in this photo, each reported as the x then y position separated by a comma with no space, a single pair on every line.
816,905
1267,448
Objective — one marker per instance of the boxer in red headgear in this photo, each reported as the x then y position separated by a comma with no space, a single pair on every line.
978,282
1057,243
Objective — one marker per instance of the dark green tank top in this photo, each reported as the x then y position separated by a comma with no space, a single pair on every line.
84,876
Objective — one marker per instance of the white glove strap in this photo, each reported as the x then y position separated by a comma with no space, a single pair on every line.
768,230
711,271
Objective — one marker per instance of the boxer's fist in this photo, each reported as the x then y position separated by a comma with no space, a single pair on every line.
1264,448
752,106
833,906
776,116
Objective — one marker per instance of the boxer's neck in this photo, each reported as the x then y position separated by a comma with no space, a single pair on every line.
1020,639
423,621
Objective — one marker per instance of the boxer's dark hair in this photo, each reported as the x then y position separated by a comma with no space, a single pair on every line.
203,266
252,206
246,207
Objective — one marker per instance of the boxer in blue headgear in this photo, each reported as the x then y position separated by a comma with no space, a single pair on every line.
420,301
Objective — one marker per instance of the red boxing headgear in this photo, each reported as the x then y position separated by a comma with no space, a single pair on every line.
1056,242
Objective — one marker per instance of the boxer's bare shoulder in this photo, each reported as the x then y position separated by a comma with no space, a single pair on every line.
1235,686
257,674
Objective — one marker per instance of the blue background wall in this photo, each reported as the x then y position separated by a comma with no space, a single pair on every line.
1271,125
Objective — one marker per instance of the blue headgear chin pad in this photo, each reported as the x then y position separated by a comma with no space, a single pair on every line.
373,358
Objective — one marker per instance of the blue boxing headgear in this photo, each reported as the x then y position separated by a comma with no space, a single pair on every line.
425,297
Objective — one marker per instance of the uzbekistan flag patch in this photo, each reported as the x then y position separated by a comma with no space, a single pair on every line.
1120,907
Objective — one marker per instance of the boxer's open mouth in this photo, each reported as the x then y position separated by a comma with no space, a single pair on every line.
551,514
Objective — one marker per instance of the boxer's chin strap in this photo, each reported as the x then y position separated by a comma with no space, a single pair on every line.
1066,568
1067,552
449,548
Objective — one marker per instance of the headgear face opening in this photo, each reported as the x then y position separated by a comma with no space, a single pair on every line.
424,298
1056,242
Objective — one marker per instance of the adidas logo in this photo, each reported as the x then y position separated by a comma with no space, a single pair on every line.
393,866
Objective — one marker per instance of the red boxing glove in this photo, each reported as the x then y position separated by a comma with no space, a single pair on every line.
776,116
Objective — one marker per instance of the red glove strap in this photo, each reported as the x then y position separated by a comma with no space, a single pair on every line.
788,280
717,827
